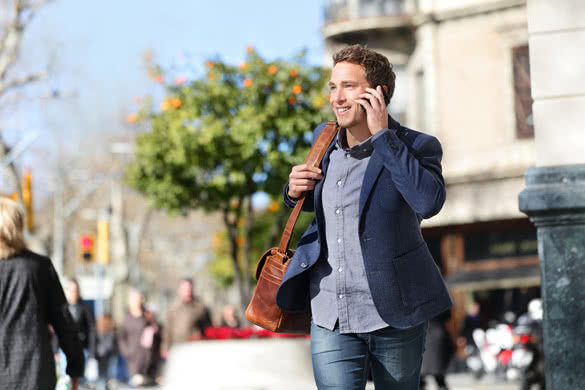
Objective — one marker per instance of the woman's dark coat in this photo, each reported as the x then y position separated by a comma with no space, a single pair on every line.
31,299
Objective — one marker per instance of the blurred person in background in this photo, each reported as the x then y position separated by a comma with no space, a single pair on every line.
106,350
137,341
187,318
439,351
84,322
229,317
471,322
31,299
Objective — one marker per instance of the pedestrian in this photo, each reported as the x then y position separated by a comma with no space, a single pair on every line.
187,318
439,351
84,322
471,322
106,350
31,299
137,342
229,318
362,264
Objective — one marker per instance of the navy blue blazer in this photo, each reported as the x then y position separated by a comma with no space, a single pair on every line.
402,185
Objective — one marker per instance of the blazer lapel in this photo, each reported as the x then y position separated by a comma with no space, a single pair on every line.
373,170
319,186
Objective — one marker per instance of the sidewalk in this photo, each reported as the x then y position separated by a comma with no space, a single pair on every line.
455,382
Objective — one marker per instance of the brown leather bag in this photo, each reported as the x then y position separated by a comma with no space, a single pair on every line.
263,310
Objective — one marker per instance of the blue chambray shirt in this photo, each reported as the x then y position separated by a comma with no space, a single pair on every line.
339,287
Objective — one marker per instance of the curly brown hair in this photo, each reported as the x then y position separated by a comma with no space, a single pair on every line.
376,66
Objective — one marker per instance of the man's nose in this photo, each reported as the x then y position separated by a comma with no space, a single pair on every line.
338,96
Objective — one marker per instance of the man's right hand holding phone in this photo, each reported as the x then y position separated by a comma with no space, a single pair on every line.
302,179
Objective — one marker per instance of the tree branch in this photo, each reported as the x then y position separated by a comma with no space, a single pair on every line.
4,87
21,15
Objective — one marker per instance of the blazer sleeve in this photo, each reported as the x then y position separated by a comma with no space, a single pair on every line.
309,204
63,324
416,171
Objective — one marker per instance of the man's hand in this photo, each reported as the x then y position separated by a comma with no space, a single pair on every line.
302,179
373,102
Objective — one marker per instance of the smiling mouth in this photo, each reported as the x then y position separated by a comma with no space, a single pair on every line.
342,110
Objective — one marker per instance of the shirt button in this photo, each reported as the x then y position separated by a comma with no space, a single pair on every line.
339,240
340,296
303,265
339,183
340,269
346,155
338,211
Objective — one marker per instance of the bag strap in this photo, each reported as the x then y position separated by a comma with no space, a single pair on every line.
313,159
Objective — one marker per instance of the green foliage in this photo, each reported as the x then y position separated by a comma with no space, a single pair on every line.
266,224
227,135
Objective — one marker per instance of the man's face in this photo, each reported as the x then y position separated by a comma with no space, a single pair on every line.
72,292
185,291
135,301
347,82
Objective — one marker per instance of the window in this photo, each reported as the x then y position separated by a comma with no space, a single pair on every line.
522,93
497,245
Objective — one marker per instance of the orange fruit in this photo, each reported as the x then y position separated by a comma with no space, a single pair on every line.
297,89
212,76
164,105
247,83
131,118
294,73
292,100
210,64
250,48
176,102
243,65
273,206
159,78
272,69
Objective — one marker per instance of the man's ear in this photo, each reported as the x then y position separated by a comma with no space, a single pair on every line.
386,96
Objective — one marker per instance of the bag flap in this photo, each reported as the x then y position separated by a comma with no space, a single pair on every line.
269,252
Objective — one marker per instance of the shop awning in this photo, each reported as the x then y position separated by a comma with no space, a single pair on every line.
526,276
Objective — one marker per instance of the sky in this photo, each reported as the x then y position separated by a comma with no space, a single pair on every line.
95,50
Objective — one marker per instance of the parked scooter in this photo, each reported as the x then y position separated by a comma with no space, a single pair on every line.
510,349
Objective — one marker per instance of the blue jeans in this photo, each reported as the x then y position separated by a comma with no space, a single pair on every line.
343,361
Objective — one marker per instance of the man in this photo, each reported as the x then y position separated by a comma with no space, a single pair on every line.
362,265
186,319
31,299
83,319
139,341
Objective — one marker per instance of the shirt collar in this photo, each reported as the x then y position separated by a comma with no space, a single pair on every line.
360,151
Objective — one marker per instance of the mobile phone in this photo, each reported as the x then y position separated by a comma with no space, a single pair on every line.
386,100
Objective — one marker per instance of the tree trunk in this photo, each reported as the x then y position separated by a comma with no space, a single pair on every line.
248,248
232,229
10,169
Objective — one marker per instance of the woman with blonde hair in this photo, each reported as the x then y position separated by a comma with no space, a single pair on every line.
31,299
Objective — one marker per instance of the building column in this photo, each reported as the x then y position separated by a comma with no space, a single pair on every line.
554,197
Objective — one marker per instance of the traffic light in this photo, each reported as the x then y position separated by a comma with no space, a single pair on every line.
27,199
86,246
103,242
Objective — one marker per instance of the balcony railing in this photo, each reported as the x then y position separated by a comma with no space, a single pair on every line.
340,10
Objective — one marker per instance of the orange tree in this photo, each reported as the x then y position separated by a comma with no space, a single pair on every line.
217,140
